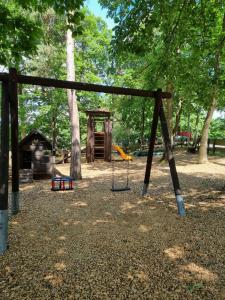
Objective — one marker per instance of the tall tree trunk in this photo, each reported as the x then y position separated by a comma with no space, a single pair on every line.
75,165
202,157
169,111
178,115
54,130
54,135
22,118
195,138
189,128
142,123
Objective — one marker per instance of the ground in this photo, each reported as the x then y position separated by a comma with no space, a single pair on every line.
91,243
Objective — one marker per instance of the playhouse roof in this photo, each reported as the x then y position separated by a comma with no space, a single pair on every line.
35,135
98,112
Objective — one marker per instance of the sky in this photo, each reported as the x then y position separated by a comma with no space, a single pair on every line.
96,9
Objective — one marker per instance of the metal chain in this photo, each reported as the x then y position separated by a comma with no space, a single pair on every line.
113,181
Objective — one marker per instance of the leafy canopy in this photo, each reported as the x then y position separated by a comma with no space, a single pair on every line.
21,27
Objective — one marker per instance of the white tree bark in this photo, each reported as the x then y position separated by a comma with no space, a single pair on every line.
202,156
75,165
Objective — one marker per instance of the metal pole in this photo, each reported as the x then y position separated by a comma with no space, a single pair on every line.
4,168
172,165
158,103
13,80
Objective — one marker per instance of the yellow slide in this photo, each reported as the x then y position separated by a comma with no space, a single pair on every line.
122,154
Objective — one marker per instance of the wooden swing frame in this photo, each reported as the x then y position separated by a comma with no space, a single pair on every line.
9,109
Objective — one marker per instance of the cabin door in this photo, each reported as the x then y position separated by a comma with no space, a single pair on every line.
27,160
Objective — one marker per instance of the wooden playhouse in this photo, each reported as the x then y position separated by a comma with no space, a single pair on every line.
35,152
99,135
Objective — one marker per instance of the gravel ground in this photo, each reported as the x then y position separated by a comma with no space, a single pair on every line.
91,243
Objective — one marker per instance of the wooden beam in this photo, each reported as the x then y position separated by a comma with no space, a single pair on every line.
82,86
13,81
4,158
172,164
48,82
158,104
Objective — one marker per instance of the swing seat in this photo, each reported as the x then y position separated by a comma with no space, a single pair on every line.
124,188
120,189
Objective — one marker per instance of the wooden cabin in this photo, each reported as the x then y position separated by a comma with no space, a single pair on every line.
35,152
99,135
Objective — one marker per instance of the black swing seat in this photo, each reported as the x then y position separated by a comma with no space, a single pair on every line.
120,189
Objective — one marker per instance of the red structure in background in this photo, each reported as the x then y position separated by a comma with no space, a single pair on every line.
186,134
62,183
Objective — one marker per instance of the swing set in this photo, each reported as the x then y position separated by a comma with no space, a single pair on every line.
9,113
126,160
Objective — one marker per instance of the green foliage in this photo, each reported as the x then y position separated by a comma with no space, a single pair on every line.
217,129
21,26
181,43
180,38
156,44
19,35
41,105
39,108
68,8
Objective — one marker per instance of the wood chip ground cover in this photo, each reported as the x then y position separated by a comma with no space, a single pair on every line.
91,243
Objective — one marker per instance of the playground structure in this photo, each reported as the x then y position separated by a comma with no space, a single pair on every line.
122,154
35,156
10,100
62,183
99,142
99,137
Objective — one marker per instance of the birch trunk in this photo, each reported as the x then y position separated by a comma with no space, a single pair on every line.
142,123
169,111
202,157
195,139
75,165
178,115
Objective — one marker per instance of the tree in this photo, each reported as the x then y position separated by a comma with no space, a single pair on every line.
219,35
182,38
75,166
38,106
21,28
73,16
20,33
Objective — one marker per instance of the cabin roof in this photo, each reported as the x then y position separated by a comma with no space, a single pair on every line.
100,112
35,134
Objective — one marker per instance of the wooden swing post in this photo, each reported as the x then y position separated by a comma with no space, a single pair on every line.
172,164
158,104
13,94
4,167
159,113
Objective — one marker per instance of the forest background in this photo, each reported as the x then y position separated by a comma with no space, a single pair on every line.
174,45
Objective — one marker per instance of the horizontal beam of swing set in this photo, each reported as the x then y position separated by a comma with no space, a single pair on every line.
81,86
